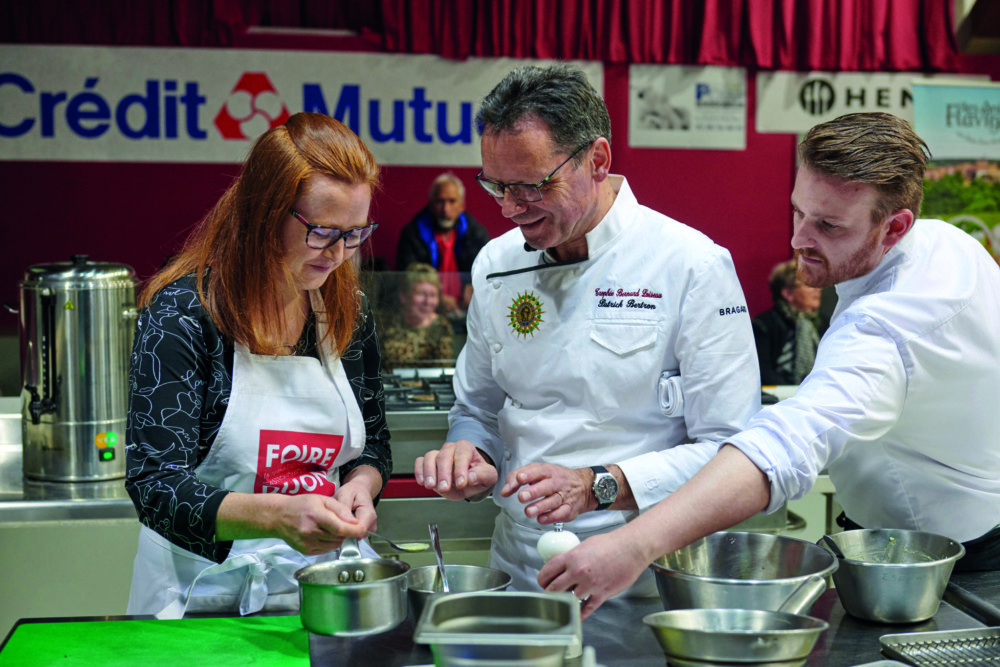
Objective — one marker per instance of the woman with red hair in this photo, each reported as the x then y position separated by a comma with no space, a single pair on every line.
256,435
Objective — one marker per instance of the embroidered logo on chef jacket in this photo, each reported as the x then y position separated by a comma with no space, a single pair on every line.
639,298
292,462
526,314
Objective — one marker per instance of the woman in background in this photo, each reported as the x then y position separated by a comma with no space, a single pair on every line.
416,335
256,435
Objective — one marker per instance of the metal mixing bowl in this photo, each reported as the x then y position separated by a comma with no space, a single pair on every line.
734,635
738,570
893,575
423,583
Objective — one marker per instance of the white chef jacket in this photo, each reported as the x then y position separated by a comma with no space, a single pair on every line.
619,358
901,403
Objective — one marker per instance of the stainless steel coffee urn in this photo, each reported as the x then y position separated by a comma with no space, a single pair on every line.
76,327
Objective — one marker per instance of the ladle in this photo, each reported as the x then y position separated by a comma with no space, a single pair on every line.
833,547
408,546
436,544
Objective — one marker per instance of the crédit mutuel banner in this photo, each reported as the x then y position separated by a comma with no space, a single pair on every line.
207,105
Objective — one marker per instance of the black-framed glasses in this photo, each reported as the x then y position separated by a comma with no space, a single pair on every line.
526,192
320,237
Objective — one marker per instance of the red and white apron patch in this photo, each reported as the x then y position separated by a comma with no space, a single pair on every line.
292,462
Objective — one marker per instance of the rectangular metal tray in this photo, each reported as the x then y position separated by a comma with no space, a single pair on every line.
969,648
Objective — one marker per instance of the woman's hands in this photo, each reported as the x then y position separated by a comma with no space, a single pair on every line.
309,523
313,524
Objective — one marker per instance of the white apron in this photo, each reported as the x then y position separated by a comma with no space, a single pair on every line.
290,423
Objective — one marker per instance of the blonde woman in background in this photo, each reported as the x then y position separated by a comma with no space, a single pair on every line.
416,334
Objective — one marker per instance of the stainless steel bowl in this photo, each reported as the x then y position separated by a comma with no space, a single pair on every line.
734,635
500,629
738,570
424,583
757,636
893,575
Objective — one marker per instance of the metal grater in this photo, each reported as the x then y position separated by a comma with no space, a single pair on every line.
970,648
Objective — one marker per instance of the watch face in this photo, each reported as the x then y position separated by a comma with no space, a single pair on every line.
606,488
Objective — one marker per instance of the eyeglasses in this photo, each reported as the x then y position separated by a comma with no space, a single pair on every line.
319,237
526,192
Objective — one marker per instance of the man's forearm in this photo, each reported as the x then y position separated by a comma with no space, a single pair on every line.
728,490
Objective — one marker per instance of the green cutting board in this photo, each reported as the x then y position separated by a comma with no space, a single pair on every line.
196,642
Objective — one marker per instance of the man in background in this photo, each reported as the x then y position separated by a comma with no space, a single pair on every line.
787,335
446,237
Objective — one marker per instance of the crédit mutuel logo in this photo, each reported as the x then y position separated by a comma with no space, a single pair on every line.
253,107
161,109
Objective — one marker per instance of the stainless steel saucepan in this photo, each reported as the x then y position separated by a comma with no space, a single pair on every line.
352,595
749,636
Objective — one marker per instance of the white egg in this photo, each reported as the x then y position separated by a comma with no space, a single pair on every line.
555,542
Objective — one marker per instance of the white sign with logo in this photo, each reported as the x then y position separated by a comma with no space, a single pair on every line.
793,102
207,105
674,106
958,121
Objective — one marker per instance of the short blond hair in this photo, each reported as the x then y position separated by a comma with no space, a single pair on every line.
417,273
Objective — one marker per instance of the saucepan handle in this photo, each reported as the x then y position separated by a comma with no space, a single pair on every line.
350,549
804,596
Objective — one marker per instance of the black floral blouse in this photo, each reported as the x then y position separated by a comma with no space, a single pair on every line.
179,385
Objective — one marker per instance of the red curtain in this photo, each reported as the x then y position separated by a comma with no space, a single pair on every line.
174,22
832,35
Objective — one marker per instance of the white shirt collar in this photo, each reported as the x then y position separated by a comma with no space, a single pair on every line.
851,289
613,222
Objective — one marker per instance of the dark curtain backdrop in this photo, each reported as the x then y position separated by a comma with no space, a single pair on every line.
831,35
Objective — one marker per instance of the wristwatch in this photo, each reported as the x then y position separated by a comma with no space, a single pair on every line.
605,487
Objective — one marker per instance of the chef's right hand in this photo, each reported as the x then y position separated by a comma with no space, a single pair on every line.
458,470
313,524
598,568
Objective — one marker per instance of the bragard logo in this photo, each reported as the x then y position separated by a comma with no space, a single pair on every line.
254,100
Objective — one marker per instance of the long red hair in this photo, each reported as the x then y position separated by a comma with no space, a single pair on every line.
240,238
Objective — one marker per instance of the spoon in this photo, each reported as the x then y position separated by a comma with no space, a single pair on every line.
406,546
436,543
833,547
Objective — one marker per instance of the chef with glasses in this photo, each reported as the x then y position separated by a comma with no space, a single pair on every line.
609,350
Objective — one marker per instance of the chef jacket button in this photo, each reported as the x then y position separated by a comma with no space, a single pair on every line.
497,347
497,284
506,456
515,403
